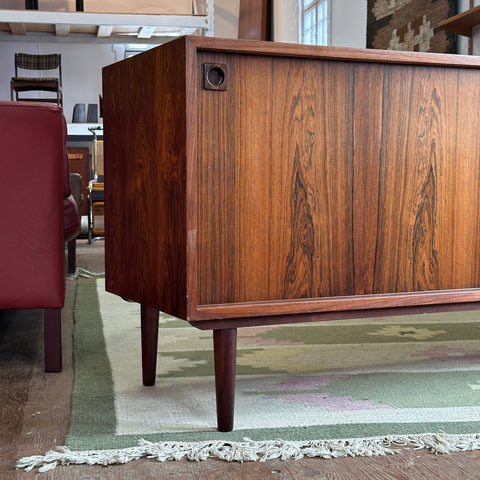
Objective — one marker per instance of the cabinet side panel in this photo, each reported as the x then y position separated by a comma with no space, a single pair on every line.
144,105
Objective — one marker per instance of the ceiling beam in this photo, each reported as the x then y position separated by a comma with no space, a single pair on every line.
113,19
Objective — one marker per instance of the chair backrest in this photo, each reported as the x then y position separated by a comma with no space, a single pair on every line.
28,61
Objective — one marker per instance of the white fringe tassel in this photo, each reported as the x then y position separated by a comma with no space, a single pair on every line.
82,272
251,451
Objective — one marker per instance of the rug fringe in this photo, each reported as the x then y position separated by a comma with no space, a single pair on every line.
251,451
82,272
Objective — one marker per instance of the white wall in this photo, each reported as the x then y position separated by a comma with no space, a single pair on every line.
226,18
348,23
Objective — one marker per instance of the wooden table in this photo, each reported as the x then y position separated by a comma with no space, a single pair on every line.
252,183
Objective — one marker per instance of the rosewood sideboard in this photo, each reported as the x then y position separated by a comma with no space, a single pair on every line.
251,183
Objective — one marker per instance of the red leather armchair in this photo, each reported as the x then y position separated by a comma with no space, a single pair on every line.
37,215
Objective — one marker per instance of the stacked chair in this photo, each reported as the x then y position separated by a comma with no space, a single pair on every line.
29,83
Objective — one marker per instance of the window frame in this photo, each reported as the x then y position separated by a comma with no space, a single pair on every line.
314,6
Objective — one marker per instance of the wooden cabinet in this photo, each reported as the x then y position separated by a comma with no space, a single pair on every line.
251,182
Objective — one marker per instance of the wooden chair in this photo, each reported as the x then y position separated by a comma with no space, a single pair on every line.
39,63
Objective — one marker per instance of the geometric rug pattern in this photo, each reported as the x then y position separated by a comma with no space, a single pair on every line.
340,379
337,388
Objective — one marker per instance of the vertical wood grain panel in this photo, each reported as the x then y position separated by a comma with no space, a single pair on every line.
408,173
233,164
275,185
367,139
216,189
427,155
253,189
312,168
145,220
460,186
427,204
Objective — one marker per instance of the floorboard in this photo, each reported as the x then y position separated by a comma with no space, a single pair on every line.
34,410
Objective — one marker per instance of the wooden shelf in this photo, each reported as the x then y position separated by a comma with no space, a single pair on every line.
127,28
462,23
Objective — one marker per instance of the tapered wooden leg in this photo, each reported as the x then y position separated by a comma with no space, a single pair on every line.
225,351
52,319
72,254
149,317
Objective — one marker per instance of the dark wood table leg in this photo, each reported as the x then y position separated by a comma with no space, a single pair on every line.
225,351
149,326
72,255
52,319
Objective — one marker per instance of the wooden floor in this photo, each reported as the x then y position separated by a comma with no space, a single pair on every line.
34,410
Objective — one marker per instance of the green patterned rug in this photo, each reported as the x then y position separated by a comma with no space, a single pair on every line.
349,387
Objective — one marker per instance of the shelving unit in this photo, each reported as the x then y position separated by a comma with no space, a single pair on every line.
82,26
463,23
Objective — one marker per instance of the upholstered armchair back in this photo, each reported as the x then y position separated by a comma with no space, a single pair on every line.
37,211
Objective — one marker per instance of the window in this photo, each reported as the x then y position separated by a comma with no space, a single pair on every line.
314,22
132,49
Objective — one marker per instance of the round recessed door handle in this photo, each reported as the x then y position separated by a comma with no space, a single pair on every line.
214,76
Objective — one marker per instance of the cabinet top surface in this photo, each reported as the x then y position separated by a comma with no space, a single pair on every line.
255,47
